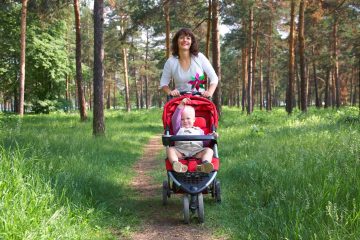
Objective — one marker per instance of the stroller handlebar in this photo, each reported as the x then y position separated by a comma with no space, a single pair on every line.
168,139
197,93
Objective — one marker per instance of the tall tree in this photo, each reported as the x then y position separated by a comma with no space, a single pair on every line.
167,27
303,81
244,76
208,31
98,119
22,56
250,63
79,79
216,52
336,60
289,92
268,71
127,96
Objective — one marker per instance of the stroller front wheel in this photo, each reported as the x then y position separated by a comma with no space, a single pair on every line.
186,210
200,210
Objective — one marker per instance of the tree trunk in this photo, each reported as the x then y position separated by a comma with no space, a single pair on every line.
261,94
216,52
316,88
289,93
127,97
244,60
250,64
254,70
268,74
333,90
108,97
238,92
98,119
114,94
81,97
327,89
207,49
303,84
22,57
336,61
147,97
167,27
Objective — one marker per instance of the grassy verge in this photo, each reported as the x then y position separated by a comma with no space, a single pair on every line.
289,177
59,182
283,177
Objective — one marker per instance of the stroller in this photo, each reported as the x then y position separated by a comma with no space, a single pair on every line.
192,184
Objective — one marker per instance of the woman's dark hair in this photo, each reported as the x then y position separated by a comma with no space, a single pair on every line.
194,49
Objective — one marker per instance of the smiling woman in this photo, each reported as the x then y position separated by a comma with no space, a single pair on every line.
187,67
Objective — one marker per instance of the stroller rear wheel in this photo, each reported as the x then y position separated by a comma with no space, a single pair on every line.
200,210
217,191
186,210
165,192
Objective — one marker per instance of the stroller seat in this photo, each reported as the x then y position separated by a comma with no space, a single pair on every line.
192,184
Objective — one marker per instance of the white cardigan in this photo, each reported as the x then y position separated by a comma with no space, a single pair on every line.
199,64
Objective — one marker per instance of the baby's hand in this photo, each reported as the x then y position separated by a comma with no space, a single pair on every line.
215,134
184,102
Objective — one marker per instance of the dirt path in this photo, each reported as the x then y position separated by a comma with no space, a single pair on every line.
162,222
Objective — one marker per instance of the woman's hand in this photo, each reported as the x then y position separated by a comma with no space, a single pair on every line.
215,134
174,93
206,94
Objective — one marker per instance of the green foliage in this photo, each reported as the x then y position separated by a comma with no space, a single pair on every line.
58,181
47,62
289,177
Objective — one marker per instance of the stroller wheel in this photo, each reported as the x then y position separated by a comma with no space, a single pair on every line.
186,209
217,191
200,210
165,192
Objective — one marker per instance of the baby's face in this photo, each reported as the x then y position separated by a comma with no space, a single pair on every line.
187,118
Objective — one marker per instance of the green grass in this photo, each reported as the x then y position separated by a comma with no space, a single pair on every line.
289,177
282,177
59,182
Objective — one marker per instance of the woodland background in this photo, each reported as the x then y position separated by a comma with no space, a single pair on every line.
273,53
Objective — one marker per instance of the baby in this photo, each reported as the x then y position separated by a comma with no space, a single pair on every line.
183,124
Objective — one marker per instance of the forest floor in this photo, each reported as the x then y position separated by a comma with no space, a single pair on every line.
161,222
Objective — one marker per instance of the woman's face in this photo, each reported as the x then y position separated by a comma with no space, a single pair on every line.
184,42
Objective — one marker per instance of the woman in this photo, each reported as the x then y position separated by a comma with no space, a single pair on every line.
187,66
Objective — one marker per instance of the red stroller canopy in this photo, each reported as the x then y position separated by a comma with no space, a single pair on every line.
205,112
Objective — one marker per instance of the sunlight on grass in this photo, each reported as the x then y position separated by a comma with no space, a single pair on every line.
289,177
282,177
66,183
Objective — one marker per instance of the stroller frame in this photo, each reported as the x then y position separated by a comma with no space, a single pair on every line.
191,184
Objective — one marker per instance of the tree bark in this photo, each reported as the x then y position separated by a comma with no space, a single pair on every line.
80,90
22,57
127,97
207,49
261,94
147,97
327,88
316,88
167,27
216,52
268,74
98,119
250,64
336,61
244,60
289,93
303,82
